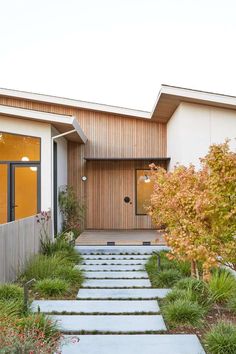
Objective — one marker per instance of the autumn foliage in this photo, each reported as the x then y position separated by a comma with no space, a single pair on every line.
198,210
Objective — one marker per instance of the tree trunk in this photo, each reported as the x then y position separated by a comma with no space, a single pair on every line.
193,269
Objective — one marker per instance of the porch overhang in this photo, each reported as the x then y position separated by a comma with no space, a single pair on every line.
62,123
127,159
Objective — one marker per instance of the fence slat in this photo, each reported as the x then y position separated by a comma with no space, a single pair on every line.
19,240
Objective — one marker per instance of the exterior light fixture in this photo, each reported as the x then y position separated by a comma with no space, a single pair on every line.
25,158
84,178
147,179
34,169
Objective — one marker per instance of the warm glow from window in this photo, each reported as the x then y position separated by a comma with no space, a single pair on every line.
144,189
15,147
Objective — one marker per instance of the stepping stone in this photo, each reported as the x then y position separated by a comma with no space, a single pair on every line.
115,256
107,268
119,249
117,283
122,293
93,306
115,262
116,275
110,323
133,344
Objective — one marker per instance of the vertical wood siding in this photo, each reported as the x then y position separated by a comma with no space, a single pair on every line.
108,135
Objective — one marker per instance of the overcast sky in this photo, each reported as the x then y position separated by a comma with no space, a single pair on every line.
117,51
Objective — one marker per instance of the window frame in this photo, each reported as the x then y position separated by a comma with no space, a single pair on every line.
136,191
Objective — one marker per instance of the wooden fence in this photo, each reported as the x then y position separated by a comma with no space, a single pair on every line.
19,240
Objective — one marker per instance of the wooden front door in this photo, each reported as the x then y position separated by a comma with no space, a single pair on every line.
107,186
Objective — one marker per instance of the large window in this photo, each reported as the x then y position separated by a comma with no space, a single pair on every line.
19,176
144,189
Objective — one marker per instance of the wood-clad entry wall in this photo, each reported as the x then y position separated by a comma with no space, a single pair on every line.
107,184
109,136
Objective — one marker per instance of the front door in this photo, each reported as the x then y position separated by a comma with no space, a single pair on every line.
24,190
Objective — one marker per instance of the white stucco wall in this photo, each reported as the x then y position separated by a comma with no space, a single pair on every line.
61,168
43,131
193,128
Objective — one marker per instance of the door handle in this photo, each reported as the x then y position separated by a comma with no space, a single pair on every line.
14,206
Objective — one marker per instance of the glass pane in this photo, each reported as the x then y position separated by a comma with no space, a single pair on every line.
144,190
25,191
3,194
19,147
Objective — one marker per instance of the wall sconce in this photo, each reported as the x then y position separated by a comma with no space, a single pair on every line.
147,179
84,178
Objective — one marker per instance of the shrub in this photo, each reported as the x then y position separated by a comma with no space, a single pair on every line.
176,294
11,308
42,266
166,278
52,287
232,304
39,322
221,339
10,291
197,290
222,285
17,337
61,248
72,275
183,312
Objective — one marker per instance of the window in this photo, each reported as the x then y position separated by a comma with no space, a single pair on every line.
144,190
19,176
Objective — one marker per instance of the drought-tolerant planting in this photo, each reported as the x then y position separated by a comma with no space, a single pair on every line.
206,308
55,275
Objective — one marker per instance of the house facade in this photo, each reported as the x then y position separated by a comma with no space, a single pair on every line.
103,151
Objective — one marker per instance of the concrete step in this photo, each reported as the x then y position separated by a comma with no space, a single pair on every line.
116,257
127,250
115,262
110,323
116,275
122,293
95,306
108,268
134,344
117,283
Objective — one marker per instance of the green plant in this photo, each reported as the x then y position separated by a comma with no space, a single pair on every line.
72,275
16,338
61,248
40,322
42,266
196,290
176,294
222,285
232,304
52,287
11,308
221,339
10,291
183,312
72,210
166,278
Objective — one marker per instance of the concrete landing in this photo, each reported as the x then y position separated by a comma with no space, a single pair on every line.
95,306
116,275
110,323
122,293
134,344
117,283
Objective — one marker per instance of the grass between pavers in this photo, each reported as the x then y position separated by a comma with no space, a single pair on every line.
95,332
196,307
146,313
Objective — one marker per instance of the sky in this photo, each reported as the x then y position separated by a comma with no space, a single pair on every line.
117,52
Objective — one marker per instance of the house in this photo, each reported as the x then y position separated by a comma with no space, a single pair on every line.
103,151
